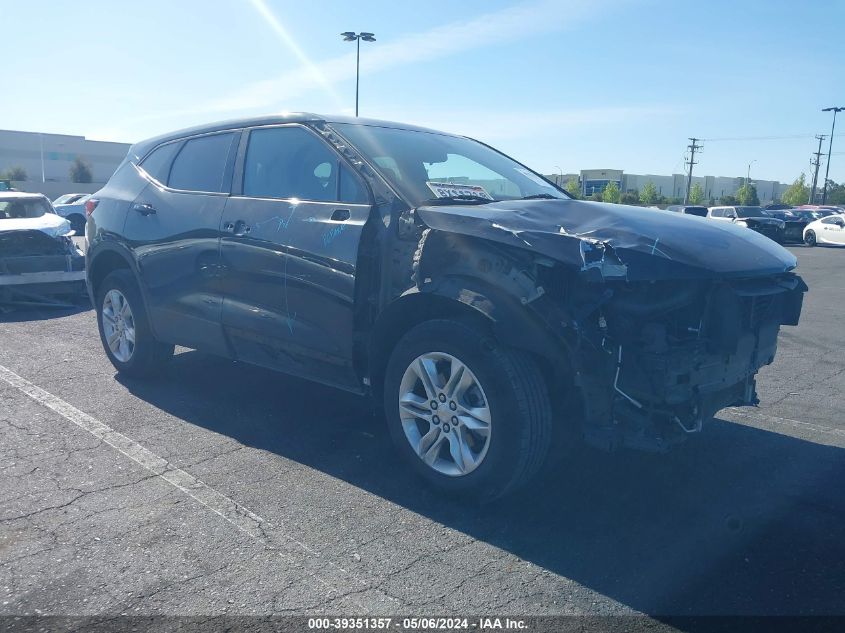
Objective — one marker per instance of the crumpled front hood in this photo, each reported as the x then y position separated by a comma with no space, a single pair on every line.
617,241
49,223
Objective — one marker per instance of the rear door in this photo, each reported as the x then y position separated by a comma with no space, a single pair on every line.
289,252
174,230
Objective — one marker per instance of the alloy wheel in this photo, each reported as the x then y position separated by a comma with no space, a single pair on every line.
118,325
445,414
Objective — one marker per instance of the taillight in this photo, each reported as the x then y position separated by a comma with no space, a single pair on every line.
91,205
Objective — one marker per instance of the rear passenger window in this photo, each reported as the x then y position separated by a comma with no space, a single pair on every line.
201,165
157,163
290,162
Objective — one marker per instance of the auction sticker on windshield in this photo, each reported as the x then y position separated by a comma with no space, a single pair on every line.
450,190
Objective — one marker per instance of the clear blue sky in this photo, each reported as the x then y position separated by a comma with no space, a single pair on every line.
569,83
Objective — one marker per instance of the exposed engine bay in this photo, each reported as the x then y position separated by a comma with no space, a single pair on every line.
651,361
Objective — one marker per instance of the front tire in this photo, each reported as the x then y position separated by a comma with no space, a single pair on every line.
810,238
471,416
125,330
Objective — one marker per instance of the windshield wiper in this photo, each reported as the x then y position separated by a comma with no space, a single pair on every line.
459,199
541,196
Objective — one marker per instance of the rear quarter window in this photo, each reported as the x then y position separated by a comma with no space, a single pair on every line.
201,164
157,163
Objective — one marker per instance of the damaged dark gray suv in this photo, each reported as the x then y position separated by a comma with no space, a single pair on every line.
487,310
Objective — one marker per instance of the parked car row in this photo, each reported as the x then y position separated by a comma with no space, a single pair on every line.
779,222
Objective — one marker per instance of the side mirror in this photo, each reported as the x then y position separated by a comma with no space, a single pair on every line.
839,222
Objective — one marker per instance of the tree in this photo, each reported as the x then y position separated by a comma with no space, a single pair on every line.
631,197
649,194
80,171
573,188
747,195
835,193
696,194
728,200
596,196
15,173
611,193
797,193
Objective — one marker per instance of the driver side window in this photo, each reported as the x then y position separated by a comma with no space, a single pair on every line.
290,162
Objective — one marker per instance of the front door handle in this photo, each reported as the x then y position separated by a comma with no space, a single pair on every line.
340,215
144,208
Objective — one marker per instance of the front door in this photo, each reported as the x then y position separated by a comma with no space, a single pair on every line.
289,250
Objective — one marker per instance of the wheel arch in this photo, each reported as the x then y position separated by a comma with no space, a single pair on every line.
104,262
466,299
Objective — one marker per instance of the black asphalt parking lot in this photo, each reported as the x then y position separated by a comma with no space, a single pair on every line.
222,488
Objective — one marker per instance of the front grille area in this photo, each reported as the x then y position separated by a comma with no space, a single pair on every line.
758,310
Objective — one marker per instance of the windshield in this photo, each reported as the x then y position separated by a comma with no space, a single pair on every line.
427,166
750,212
23,208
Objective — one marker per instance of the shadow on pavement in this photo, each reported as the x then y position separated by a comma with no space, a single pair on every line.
20,313
740,521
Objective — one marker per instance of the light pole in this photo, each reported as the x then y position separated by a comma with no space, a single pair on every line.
829,148
560,182
41,146
748,173
349,36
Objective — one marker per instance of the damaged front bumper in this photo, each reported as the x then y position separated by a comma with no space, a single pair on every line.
32,261
657,363
659,319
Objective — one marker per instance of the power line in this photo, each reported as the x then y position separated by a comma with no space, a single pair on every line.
762,138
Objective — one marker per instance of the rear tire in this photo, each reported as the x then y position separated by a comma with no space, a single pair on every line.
125,329
810,238
442,432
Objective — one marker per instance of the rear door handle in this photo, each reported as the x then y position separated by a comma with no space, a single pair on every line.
238,228
144,209
340,215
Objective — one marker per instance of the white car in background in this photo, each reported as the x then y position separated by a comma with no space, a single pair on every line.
68,198
827,230
74,212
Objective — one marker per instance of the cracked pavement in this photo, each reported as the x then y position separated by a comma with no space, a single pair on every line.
745,519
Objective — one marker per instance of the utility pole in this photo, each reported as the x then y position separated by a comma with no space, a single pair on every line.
816,163
829,149
692,149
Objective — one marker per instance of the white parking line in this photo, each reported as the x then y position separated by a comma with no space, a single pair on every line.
240,517
752,414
